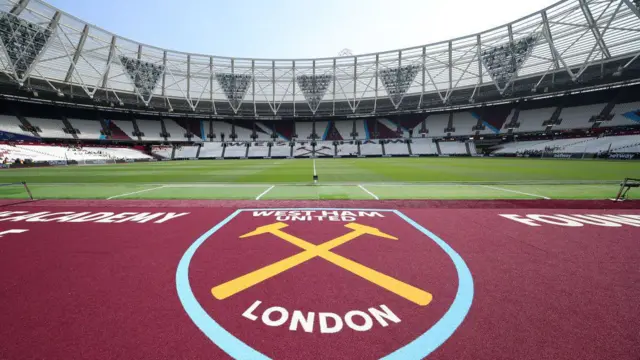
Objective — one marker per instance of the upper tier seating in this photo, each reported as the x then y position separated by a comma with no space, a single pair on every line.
51,128
464,122
151,130
12,125
436,124
89,129
531,120
578,117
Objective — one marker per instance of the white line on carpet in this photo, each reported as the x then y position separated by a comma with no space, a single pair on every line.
515,191
368,192
266,191
136,192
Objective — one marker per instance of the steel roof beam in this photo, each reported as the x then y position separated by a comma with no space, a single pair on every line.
632,7
594,28
76,55
19,7
112,53
549,38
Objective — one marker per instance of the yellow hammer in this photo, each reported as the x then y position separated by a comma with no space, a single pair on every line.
389,283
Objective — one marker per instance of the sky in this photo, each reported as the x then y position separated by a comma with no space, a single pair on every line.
287,29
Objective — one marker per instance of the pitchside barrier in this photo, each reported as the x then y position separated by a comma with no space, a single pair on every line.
21,184
625,186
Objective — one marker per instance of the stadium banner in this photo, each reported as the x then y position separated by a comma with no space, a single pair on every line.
57,162
95,162
627,156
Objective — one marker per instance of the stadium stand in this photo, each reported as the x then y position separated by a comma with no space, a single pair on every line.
12,125
151,130
175,131
578,117
235,150
398,147
281,149
371,148
185,152
345,128
423,147
464,122
45,153
50,128
587,145
437,124
259,150
125,126
453,148
163,151
211,150
304,130
625,114
302,149
347,148
324,149
531,120
87,129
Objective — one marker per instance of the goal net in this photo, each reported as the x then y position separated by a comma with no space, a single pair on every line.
625,186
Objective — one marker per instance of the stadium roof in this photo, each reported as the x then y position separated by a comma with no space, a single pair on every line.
47,49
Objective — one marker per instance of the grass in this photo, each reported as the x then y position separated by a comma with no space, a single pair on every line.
384,178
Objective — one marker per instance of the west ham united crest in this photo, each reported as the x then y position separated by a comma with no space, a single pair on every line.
324,284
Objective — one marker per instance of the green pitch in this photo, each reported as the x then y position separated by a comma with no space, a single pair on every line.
380,178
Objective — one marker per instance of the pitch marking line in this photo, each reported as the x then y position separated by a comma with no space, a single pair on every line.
368,192
516,192
137,192
265,192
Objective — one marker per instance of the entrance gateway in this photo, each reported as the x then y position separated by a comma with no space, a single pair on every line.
278,283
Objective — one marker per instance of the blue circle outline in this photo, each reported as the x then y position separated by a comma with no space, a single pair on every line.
419,348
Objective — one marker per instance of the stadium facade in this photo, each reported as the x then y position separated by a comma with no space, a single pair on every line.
573,45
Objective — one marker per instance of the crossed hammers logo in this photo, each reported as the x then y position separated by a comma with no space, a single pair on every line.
232,287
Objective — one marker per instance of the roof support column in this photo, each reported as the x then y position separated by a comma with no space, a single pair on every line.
21,5
547,30
76,55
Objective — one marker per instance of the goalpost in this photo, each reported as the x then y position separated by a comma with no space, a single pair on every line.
625,186
22,184
315,174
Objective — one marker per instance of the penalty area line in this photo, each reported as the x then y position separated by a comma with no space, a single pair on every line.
516,192
265,192
368,192
136,192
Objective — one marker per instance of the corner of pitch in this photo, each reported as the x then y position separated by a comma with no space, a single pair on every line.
325,322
